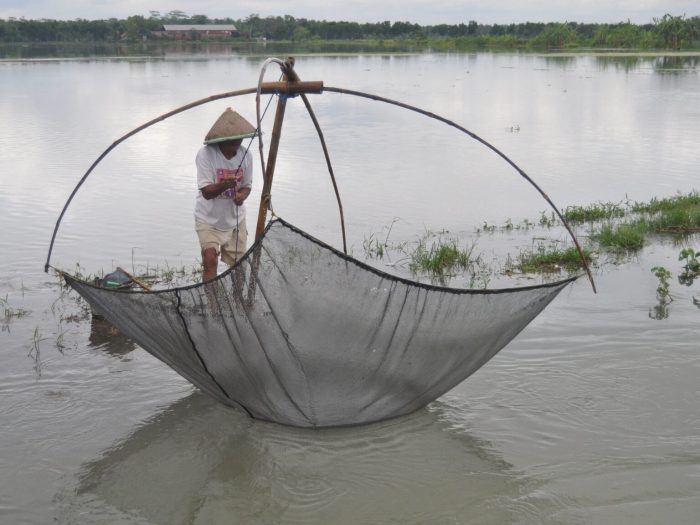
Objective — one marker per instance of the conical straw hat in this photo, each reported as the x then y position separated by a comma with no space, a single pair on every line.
229,126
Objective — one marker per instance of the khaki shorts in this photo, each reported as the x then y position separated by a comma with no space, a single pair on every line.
230,244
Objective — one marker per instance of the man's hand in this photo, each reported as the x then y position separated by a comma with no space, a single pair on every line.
214,190
232,182
241,195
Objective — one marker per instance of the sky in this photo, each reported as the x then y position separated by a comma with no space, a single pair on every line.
424,12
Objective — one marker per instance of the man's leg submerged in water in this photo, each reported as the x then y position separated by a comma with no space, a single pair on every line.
210,260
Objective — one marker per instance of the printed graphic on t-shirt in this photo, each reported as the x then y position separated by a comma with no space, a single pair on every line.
225,174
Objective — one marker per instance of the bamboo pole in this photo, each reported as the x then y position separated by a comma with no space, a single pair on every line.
295,85
294,77
272,155
305,99
292,87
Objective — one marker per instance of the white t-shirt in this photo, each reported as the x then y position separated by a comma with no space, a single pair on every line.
221,212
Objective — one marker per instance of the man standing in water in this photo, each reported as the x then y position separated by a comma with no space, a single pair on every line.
224,178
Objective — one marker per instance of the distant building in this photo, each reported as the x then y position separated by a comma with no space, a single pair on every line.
197,31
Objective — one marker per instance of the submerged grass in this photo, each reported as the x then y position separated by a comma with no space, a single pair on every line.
655,205
550,259
678,220
622,237
9,311
626,226
678,214
441,258
617,228
593,212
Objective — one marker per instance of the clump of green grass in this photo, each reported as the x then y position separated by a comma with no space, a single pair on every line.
625,236
442,258
168,275
655,205
550,259
679,214
373,247
593,212
684,219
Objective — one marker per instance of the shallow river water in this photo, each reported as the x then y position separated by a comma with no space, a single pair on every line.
589,416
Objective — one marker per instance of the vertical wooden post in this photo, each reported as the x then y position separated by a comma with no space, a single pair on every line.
272,155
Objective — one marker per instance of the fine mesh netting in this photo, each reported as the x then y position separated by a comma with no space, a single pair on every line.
298,333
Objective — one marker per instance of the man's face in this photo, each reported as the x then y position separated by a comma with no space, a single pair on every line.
230,147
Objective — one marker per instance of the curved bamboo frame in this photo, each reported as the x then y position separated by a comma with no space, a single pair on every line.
294,88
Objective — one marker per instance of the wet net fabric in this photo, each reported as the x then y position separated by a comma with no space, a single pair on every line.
299,334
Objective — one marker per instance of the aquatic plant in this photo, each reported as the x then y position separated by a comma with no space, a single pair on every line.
691,258
548,219
622,237
168,275
480,279
685,219
660,310
375,248
691,268
593,212
509,225
486,228
550,259
35,349
656,205
678,214
9,311
60,339
441,258
662,290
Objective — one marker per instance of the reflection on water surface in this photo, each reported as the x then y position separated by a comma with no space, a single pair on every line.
414,469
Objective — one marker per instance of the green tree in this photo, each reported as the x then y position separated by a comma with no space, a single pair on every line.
137,27
557,36
620,35
199,19
674,31
253,25
302,34
176,15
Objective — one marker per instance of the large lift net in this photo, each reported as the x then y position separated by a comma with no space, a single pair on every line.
299,333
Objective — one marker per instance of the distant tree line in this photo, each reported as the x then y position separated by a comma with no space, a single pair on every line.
675,32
